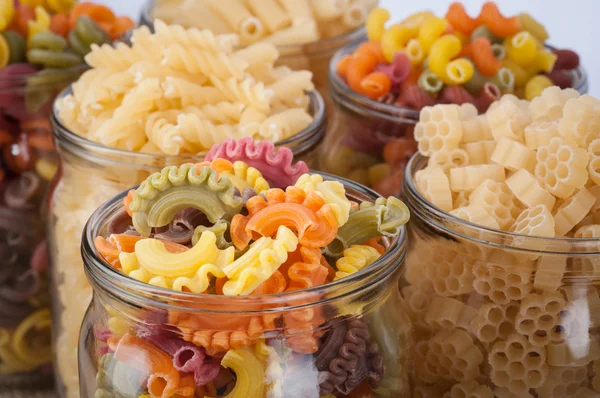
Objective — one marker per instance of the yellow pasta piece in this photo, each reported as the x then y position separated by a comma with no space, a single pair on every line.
476,129
479,152
570,212
551,102
243,176
495,322
549,273
528,190
594,164
498,201
521,48
248,369
508,118
449,313
332,192
259,263
588,232
415,52
517,365
562,167
477,215
433,184
536,85
538,318
532,26
581,120
430,30
442,61
540,133
469,177
513,155
7,12
355,258
376,23
449,160
41,23
271,14
535,221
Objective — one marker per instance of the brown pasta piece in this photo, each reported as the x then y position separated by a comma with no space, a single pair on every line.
563,381
539,318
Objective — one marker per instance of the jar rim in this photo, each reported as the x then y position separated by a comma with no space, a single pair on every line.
75,142
469,231
359,103
314,47
100,273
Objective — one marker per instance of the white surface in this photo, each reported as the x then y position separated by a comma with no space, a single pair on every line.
572,23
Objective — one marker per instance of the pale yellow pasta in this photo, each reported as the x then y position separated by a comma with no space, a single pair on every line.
305,31
220,113
204,40
535,221
573,353
480,152
357,13
271,14
354,259
161,131
540,133
243,176
581,120
549,273
470,389
297,9
528,190
440,128
508,118
291,87
191,94
538,317
476,214
513,155
328,10
550,103
194,61
570,212
239,18
191,14
201,134
449,313
259,57
498,201
476,129
495,322
563,381
435,187
285,124
247,91
449,160
469,177
332,192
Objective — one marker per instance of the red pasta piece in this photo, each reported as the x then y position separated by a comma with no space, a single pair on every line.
566,60
480,51
497,23
489,93
561,78
456,95
459,19
414,97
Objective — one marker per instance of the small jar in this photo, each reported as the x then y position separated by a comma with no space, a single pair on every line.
314,56
502,314
27,163
367,141
89,175
359,322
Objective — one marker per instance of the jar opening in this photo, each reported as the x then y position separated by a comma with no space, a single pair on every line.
72,142
105,278
458,228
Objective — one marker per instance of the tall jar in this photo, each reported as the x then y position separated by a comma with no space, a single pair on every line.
360,323
314,56
502,314
89,175
27,163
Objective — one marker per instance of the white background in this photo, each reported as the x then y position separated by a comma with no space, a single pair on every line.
571,23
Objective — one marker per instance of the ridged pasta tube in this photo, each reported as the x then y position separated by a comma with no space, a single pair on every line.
164,193
249,372
442,61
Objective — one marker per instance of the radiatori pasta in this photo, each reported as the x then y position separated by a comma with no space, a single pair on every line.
282,240
137,105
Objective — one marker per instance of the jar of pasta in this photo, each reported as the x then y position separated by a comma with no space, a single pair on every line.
306,33
256,316
28,162
367,141
91,173
497,313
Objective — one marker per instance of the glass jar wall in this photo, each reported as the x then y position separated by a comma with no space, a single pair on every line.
498,313
89,175
359,325
27,163
314,57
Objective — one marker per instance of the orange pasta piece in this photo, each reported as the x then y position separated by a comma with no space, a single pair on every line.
124,243
375,85
274,285
360,67
108,251
459,19
374,243
342,65
35,124
164,380
413,76
219,283
497,23
20,22
371,48
127,201
480,51
100,14
309,273
120,26
59,24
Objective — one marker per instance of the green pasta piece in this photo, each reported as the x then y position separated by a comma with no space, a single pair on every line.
48,41
483,31
476,83
77,46
89,32
164,193
499,51
220,229
51,59
384,218
430,82
16,45
105,371
42,86
504,79
127,381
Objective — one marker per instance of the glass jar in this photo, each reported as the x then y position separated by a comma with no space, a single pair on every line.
89,175
314,57
376,357
27,163
371,142
496,311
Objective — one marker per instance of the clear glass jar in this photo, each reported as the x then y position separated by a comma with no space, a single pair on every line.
27,163
371,142
496,311
89,175
314,57
368,302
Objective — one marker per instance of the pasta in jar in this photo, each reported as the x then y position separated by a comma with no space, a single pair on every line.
139,109
515,266
241,317
41,50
